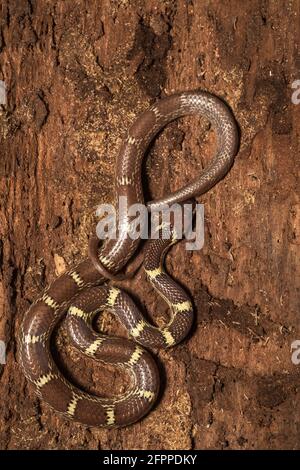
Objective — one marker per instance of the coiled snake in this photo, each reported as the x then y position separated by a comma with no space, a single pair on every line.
78,292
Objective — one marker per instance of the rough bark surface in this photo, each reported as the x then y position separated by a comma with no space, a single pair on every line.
77,73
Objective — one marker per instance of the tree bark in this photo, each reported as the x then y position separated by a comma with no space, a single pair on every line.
77,73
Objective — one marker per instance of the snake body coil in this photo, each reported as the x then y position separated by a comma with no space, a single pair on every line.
78,292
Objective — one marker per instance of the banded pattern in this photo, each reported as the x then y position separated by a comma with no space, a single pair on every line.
79,292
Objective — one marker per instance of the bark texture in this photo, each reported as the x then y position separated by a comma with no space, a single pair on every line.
77,73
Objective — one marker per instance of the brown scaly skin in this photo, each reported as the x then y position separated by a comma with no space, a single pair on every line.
78,292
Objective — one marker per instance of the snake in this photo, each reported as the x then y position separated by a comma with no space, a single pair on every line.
83,291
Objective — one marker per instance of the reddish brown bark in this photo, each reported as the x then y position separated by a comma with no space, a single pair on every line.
77,73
